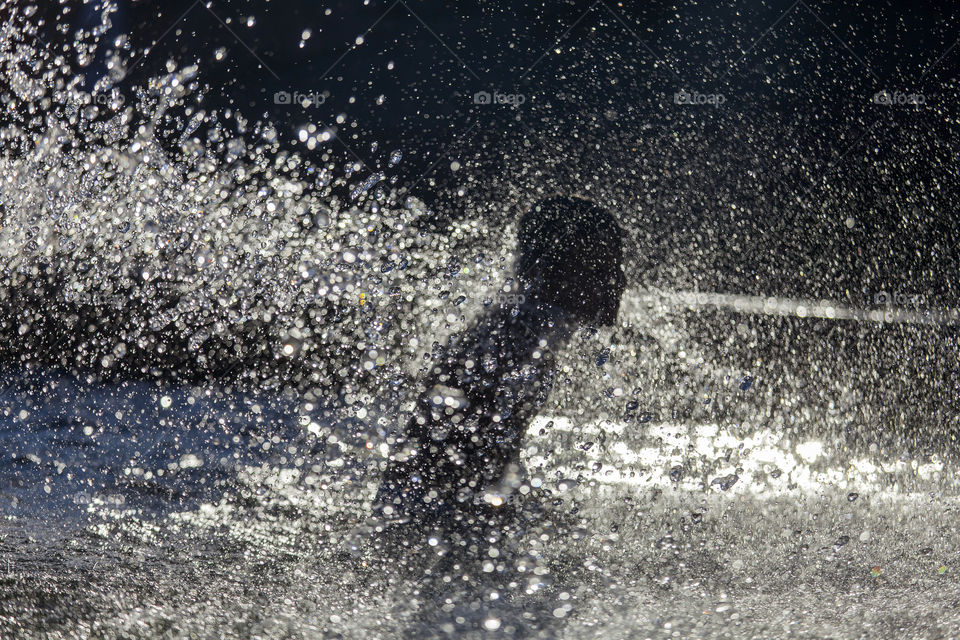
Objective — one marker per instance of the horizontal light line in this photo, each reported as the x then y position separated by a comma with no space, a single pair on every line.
788,307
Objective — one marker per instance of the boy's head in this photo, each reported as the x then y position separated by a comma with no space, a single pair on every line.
571,256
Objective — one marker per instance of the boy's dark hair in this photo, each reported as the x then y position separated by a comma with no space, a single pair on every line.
570,257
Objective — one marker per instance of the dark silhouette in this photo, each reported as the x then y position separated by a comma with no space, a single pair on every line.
489,382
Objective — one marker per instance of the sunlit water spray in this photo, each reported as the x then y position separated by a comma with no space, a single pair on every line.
212,340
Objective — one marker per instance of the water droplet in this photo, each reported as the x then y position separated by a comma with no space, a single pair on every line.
725,482
366,185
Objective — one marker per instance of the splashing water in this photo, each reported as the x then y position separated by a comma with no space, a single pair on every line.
212,342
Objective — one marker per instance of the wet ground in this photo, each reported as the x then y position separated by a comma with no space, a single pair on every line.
139,510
